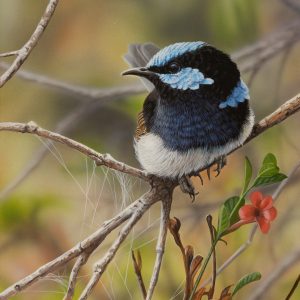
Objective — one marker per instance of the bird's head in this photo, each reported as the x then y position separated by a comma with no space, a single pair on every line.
189,68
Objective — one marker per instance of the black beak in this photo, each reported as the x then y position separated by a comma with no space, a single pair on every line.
141,72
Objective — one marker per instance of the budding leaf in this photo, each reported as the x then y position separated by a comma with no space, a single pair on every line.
269,172
246,280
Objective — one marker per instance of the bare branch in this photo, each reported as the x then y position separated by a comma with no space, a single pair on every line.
81,260
250,57
100,159
24,52
77,91
11,53
161,242
288,262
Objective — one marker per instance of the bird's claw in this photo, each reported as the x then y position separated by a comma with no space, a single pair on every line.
208,173
221,163
187,187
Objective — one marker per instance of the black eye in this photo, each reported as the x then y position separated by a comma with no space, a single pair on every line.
174,67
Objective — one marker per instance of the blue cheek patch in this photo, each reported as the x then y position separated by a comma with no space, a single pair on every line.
239,94
187,78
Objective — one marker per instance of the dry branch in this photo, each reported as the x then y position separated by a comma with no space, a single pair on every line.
161,242
23,53
100,159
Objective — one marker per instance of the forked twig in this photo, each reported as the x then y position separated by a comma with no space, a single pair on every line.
81,260
23,53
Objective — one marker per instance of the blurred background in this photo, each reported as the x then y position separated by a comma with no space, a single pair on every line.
65,197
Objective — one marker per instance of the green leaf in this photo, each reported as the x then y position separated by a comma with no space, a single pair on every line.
269,166
269,172
223,222
248,174
233,206
265,180
246,280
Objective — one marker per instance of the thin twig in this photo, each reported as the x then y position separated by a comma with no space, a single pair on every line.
63,127
24,52
288,262
295,285
100,159
250,238
161,242
78,91
137,263
81,260
11,53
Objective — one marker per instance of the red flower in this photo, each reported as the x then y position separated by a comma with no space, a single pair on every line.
261,210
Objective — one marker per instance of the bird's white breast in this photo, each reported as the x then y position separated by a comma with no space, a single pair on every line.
156,159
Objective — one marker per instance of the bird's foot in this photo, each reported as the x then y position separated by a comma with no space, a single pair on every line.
221,163
187,186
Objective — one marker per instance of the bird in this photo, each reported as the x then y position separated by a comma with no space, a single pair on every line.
197,110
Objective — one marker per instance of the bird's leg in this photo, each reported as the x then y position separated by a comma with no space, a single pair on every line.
221,162
187,186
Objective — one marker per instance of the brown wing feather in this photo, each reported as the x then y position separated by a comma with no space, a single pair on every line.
145,117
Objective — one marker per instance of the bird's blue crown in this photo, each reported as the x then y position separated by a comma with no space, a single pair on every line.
170,52
185,78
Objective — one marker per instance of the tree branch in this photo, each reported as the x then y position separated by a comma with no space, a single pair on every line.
100,159
23,53
161,242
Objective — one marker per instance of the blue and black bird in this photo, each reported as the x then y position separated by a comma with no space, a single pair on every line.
197,110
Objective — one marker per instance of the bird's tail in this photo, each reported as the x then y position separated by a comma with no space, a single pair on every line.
138,55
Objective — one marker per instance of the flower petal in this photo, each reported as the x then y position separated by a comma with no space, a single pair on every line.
247,213
266,202
264,224
256,198
269,214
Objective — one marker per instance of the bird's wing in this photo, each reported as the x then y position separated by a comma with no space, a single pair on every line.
138,55
145,117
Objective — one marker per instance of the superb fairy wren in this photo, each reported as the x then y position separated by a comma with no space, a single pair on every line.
197,110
